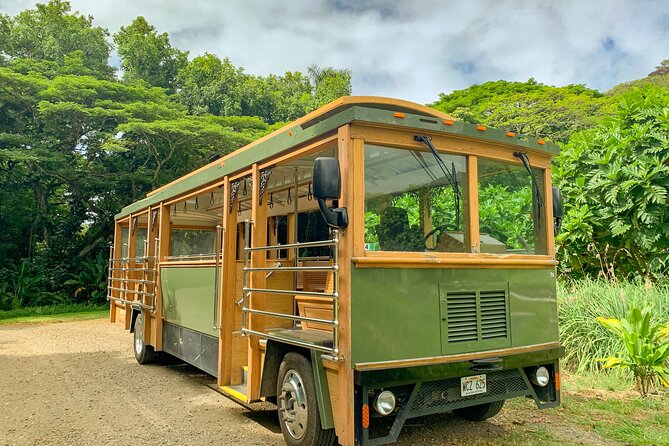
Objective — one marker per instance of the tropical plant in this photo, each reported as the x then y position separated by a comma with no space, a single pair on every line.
615,183
646,343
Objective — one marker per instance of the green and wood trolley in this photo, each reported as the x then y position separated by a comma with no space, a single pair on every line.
371,262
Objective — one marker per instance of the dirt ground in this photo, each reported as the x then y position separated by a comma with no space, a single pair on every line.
78,383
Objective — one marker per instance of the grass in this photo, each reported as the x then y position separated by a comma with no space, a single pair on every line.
598,409
54,313
580,302
622,415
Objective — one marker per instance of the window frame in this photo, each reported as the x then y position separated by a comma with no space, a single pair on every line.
456,145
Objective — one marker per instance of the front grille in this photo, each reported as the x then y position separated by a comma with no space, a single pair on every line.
446,392
476,315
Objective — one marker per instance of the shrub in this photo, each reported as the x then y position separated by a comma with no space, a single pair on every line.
646,350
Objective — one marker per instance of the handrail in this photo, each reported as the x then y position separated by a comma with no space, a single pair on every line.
119,276
290,246
332,353
289,316
288,292
294,268
206,256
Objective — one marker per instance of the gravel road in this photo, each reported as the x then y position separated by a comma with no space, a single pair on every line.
78,383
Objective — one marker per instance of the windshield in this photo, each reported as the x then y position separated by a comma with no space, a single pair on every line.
511,210
411,204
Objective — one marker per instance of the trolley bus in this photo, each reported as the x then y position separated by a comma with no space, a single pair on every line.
369,263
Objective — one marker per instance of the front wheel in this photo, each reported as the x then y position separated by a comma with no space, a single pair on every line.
480,412
297,406
143,353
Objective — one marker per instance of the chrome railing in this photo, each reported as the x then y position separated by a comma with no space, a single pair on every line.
331,353
132,280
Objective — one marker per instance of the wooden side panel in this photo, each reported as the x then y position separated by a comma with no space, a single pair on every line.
472,210
332,377
229,294
257,280
239,347
132,252
113,307
343,405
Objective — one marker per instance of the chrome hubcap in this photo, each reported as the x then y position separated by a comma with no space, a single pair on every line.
293,404
139,335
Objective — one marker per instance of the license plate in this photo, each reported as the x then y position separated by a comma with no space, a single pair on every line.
472,385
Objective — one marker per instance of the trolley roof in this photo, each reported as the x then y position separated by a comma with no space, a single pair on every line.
347,109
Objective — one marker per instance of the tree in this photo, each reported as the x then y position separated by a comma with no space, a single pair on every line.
149,56
209,85
615,180
50,32
329,84
528,107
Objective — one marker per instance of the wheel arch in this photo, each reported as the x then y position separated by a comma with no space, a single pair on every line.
274,354
133,318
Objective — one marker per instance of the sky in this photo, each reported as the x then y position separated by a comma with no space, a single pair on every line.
412,49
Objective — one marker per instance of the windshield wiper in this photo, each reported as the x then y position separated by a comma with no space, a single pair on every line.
537,192
451,176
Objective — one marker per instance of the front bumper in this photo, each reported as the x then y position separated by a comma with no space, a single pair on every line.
435,389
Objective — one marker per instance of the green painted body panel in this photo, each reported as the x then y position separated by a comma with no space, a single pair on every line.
188,297
397,313
293,135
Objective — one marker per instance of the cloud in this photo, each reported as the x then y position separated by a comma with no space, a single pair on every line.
413,50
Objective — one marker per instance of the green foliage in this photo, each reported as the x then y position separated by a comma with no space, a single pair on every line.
90,280
614,180
209,85
646,351
46,312
580,302
148,56
529,108
51,33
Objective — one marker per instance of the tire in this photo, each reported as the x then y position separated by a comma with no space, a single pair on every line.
297,406
480,412
143,353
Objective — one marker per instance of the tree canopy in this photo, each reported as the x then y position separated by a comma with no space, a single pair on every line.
77,144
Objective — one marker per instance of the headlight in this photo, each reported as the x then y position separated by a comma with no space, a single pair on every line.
541,376
384,402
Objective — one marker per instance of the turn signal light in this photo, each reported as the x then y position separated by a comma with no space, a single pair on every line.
510,134
398,115
448,122
365,416
541,141
480,128
557,381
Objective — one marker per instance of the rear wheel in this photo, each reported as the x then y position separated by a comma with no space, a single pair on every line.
480,412
297,406
143,353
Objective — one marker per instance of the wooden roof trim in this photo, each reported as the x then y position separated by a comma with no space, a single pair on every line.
341,103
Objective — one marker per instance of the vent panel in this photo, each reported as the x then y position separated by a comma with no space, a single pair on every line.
476,315
462,317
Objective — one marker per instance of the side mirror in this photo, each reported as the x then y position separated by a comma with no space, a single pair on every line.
558,209
327,186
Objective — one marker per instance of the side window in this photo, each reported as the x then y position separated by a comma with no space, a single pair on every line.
125,237
192,242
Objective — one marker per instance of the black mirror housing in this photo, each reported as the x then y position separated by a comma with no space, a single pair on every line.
327,186
327,178
558,209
